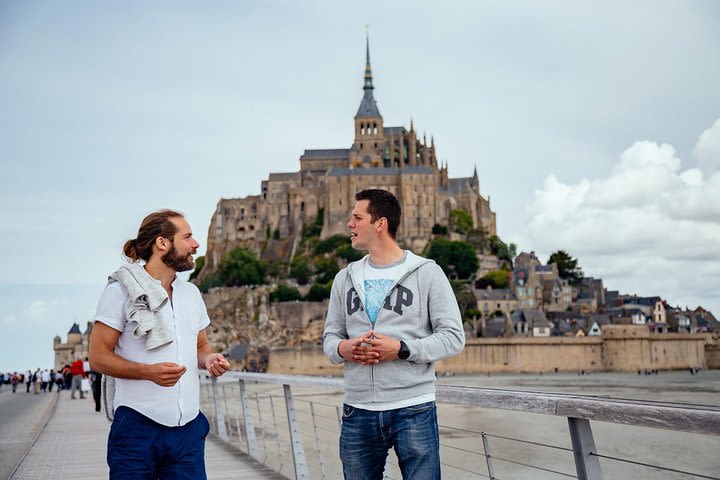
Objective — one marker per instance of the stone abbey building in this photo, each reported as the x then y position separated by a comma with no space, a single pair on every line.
392,158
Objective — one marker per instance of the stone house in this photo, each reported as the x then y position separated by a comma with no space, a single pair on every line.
490,300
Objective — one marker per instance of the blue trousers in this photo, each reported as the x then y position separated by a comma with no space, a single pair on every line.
367,436
141,449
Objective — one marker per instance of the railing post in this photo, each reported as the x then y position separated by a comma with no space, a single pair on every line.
587,465
219,414
247,420
486,448
301,469
317,441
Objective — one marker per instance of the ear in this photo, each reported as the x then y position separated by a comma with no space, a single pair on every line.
162,244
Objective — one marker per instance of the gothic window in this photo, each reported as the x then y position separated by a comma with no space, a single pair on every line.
302,206
242,211
252,227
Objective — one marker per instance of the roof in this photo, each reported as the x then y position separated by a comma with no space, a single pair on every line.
394,130
368,106
74,329
535,318
320,154
282,176
647,301
460,184
494,327
343,172
495,294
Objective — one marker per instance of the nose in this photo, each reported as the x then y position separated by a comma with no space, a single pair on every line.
196,245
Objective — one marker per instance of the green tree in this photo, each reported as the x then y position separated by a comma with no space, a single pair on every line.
241,267
455,258
567,267
331,244
275,269
349,253
283,293
199,264
300,270
439,229
479,239
464,297
319,292
210,281
460,221
495,278
502,250
326,269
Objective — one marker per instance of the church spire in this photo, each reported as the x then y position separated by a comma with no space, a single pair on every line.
368,70
368,107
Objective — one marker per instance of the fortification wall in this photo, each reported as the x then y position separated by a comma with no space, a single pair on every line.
617,352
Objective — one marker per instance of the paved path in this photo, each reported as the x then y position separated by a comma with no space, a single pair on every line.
73,446
22,418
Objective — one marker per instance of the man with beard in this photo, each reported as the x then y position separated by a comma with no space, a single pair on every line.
149,334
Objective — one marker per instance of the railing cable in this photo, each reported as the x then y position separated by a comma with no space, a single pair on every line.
667,469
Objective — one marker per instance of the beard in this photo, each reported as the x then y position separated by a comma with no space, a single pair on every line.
179,263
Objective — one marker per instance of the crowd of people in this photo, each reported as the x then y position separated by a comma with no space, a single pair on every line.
76,377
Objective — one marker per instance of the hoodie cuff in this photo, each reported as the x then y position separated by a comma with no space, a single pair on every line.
334,356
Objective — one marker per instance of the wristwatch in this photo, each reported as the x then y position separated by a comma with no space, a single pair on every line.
404,352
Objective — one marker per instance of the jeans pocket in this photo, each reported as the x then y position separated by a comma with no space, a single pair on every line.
422,407
348,411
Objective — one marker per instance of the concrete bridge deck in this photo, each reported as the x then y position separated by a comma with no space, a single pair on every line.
73,446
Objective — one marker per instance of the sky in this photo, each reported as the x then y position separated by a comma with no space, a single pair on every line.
594,128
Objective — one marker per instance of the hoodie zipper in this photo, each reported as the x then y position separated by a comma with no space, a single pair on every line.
362,304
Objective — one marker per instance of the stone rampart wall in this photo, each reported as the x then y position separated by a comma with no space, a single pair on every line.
535,355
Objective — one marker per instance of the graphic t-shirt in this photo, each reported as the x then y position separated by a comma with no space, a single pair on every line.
377,282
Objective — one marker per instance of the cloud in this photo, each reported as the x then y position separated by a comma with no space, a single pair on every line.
707,150
649,227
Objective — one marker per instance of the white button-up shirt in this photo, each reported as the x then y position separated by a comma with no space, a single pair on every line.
171,406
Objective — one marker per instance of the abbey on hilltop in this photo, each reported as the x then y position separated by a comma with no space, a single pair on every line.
392,158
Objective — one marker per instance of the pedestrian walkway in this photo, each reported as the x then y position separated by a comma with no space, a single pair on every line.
73,446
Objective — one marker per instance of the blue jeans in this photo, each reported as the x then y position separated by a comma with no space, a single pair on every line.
141,449
367,436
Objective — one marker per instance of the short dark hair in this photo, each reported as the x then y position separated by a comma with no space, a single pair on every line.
382,204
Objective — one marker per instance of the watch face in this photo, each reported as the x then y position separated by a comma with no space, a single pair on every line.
403,354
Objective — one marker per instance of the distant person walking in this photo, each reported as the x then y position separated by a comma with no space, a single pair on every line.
36,381
14,380
149,334
28,381
96,378
77,375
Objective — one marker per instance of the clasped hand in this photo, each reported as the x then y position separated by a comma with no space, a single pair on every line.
370,348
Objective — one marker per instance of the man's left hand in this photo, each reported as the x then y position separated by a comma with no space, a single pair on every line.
216,364
386,347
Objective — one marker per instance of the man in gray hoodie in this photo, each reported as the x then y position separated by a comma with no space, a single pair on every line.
392,314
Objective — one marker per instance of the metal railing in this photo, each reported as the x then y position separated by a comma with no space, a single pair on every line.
305,446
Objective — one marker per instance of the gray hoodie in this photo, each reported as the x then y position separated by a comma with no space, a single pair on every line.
420,309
